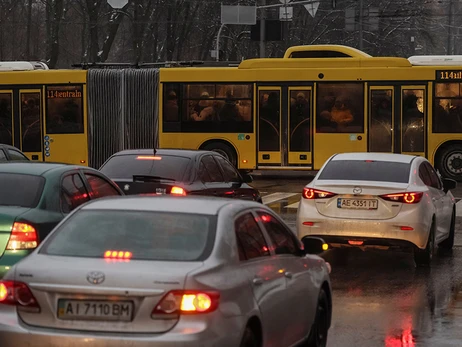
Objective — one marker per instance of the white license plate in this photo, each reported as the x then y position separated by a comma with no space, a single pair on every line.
358,204
95,310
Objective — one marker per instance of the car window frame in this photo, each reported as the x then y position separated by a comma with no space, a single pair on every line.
8,150
219,169
63,176
262,231
239,177
423,171
433,175
4,156
288,230
101,176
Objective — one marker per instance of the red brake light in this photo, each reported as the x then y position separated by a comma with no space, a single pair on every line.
405,198
178,302
117,255
23,236
177,191
18,294
309,193
148,157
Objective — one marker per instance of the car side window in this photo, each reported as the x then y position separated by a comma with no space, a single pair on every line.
424,175
213,169
435,180
250,240
2,155
73,192
230,173
203,173
15,155
283,240
100,187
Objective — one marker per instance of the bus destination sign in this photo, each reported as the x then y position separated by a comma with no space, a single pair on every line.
448,75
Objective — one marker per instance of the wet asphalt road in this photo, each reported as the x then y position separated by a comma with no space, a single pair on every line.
380,298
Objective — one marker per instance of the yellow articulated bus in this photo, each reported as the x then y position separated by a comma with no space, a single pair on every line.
287,113
295,112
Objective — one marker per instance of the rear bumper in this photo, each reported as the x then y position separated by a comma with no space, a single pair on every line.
188,332
9,258
366,242
380,233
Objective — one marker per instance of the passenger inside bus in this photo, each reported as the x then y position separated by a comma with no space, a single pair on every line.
5,120
413,122
30,125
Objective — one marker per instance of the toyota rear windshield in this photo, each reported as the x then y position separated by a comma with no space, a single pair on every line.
128,165
366,170
161,236
20,190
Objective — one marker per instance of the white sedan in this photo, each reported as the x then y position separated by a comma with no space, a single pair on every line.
382,201
168,271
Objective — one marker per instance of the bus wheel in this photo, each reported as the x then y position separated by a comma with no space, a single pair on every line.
223,149
450,162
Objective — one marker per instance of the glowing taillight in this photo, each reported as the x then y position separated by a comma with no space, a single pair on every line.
23,236
309,193
117,255
148,157
405,198
18,294
177,191
179,301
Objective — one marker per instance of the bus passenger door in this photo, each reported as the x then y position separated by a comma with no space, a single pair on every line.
269,126
65,137
6,117
299,126
381,120
413,114
341,120
30,123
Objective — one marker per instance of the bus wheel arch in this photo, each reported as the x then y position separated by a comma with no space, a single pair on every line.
448,159
222,147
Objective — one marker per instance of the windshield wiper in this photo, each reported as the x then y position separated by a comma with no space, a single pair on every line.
150,178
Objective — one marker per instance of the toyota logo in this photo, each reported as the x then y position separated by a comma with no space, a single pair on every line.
357,190
95,277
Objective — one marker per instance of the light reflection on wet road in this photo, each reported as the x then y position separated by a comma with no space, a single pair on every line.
380,298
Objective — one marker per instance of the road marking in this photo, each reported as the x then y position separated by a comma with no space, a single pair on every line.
268,199
294,205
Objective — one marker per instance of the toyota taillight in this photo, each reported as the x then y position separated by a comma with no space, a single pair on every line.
23,236
309,193
177,191
405,198
18,294
178,302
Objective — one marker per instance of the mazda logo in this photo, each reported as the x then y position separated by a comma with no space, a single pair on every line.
95,277
357,190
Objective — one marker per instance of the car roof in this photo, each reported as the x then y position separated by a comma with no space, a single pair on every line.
391,157
34,168
173,152
180,204
3,145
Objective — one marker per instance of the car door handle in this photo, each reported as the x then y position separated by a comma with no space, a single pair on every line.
288,274
257,281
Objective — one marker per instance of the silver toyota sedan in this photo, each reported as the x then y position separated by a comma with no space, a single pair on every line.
168,271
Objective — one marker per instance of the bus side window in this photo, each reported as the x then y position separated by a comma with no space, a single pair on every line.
413,135
447,113
64,110
171,112
6,115
340,108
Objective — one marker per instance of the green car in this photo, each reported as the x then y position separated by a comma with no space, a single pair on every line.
35,197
